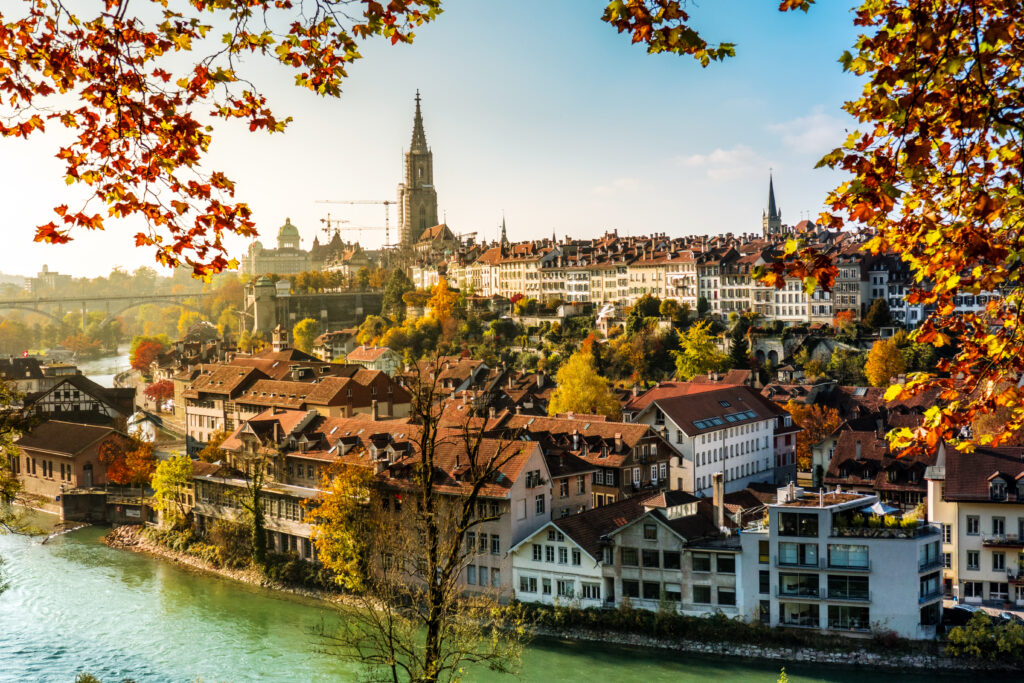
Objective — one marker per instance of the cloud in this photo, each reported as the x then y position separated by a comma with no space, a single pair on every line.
816,133
739,161
618,186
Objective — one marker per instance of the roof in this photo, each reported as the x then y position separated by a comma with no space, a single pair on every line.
711,411
65,438
16,367
968,474
120,398
367,354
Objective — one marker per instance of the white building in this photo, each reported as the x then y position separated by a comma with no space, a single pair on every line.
730,429
978,498
818,564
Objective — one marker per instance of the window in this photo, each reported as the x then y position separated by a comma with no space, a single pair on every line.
650,558
848,556
545,586
471,541
701,562
997,590
629,557
764,578
563,555
581,484
998,562
931,585
973,525
630,588
563,488
521,509
652,590
483,543
847,618
998,524
848,587
539,504
947,533
670,559
471,575
654,474
947,560
763,552
527,584
973,560
536,553
798,614
726,596
799,585
663,470
495,544
726,564
482,574
973,589
549,553
591,591
650,532
636,476
702,595
796,524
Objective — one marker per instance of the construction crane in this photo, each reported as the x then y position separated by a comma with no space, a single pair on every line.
332,225
387,203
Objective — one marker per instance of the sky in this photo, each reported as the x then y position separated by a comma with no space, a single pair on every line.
535,110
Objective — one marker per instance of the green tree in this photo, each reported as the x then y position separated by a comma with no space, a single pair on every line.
739,352
172,486
580,389
304,333
703,307
643,313
698,353
878,315
394,291
847,366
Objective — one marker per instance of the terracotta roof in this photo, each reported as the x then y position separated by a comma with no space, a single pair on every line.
724,407
666,390
224,380
367,354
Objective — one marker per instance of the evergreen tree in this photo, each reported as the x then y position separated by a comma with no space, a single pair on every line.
739,351
393,303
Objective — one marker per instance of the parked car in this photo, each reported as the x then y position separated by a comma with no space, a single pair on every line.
1012,618
958,615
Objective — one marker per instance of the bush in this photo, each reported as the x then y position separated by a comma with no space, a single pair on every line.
291,570
233,541
985,639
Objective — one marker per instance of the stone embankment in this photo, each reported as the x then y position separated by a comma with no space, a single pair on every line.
128,537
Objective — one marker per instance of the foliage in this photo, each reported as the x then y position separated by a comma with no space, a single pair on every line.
233,540
698,354
160,392
642,314
847,366
172,485
145,349
129,461
816,422
984,638
371,330
14,502
739,348
580,389
124,82
442,303
212,452
884,363
82,345
304,333
249,342
703,307
845,322
342,531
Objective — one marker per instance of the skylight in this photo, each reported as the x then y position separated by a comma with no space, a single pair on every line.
724,404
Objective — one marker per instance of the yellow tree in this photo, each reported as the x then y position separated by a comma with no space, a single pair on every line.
817,422
581,389
698,353
884,363
344,523
442,302
304,333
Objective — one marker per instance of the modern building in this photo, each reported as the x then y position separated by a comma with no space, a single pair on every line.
821,563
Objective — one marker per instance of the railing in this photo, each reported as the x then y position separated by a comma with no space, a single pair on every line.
1003,540
850,568
820,564
933,563
803,622
800,594
847,597
932,595
883,532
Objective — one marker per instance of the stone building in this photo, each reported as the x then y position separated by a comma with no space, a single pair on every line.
268,305
417,198
288,258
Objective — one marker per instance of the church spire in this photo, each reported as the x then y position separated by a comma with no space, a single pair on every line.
504,233
773,212
419,138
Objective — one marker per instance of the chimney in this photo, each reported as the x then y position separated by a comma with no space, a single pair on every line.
717,499
374,410
618,441
858,450
540,379
491,412
636,390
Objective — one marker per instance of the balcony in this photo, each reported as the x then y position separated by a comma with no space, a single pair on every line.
927,565
884,532
820,564
931,595
801,594
849,597
849,568
1002,541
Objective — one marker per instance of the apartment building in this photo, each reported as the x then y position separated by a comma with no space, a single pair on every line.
820,564
978,499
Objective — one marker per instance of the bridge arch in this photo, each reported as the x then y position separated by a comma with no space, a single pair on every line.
135,304
28,306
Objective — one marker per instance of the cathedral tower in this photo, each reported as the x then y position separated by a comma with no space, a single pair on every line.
417,198
771,219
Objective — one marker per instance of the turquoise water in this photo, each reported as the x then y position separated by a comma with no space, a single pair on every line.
76,605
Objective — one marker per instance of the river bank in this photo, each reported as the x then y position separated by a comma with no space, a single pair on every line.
129,538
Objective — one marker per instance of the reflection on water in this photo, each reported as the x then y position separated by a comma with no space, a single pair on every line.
75,605
102,370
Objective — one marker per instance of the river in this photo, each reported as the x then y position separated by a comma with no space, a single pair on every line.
76,605
102,370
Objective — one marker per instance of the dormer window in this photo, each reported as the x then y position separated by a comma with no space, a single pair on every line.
997,490
659,417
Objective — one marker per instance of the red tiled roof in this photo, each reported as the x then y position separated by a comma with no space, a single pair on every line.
967,474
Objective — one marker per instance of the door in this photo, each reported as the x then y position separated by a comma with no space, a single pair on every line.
87,476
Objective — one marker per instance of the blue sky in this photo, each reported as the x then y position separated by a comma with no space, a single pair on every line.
534,108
